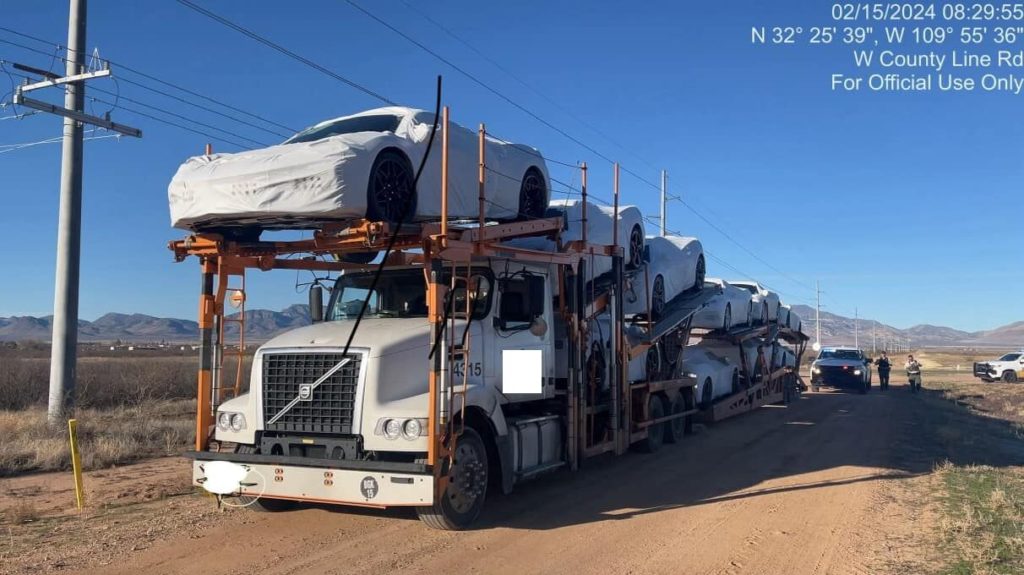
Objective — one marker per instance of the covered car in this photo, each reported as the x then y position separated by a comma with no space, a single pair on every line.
789,318
716,376
728,309
765,300
675,265
354,167
600,231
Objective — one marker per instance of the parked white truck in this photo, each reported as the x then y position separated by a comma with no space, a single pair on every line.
1008,368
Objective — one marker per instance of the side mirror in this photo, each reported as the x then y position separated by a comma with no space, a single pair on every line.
536,296
316,304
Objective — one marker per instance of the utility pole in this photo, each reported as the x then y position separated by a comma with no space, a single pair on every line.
664,198
856,328
817,313
63,350
69,226
874,348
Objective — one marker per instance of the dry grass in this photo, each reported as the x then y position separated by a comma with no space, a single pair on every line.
999,400
107,436
983,525
21,512
102,382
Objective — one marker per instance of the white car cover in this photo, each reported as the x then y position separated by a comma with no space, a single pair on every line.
600,226
704,364
712,316
300,185
673,259
765,296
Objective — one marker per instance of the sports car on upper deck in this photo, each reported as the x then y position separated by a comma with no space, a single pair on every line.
358,166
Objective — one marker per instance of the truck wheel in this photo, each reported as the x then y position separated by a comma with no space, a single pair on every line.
262,504
676,428
1010,376
655,433
463,499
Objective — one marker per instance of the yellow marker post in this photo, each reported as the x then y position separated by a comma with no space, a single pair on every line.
76,462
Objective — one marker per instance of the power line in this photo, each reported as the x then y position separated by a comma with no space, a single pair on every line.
177,125
121,65
525,84
116,104
54,140
271,44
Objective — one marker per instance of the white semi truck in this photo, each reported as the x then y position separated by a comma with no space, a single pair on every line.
475,366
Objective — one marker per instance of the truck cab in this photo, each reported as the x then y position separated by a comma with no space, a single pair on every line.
362,417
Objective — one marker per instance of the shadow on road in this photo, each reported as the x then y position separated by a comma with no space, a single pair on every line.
881,435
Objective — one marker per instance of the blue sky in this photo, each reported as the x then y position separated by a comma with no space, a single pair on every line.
904,206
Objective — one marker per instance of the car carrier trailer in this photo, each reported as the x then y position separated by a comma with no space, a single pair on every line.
760,382
366,427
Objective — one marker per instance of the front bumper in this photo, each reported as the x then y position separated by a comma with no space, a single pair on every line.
838,378
362,483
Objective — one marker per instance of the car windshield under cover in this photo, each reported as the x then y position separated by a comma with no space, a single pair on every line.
850,354
374,123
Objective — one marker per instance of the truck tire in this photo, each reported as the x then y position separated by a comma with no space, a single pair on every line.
655,433
262,504
676,428
1010,376
463,499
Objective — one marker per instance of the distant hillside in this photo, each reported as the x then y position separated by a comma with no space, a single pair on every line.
261,325
837,329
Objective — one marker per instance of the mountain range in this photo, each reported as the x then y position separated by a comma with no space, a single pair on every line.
840,330
262,324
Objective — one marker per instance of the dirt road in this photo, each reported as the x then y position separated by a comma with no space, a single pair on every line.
816,487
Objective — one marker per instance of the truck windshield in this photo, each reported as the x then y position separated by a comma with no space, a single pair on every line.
840,354
402,293
1010,357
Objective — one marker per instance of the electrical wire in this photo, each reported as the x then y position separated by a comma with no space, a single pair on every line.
525,84
4,148
177,125
115,105
138,72
271,44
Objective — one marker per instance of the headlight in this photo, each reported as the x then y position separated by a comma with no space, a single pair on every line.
224,420
816,369
411,429
237,421
392,429
856,372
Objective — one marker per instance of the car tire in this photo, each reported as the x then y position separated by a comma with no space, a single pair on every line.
390,192
533,195
658,297
707,394
655,433
700,273
1010,376
727,318
635,249
468,478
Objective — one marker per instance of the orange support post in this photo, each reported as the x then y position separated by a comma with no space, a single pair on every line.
204,391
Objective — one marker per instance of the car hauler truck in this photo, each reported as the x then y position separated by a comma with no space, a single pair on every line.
476,366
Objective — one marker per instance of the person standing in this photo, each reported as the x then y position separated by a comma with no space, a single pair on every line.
884,367
913,373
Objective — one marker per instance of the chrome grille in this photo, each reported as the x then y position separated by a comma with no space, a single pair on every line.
331,405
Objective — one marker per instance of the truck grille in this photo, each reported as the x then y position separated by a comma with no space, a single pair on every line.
330,407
